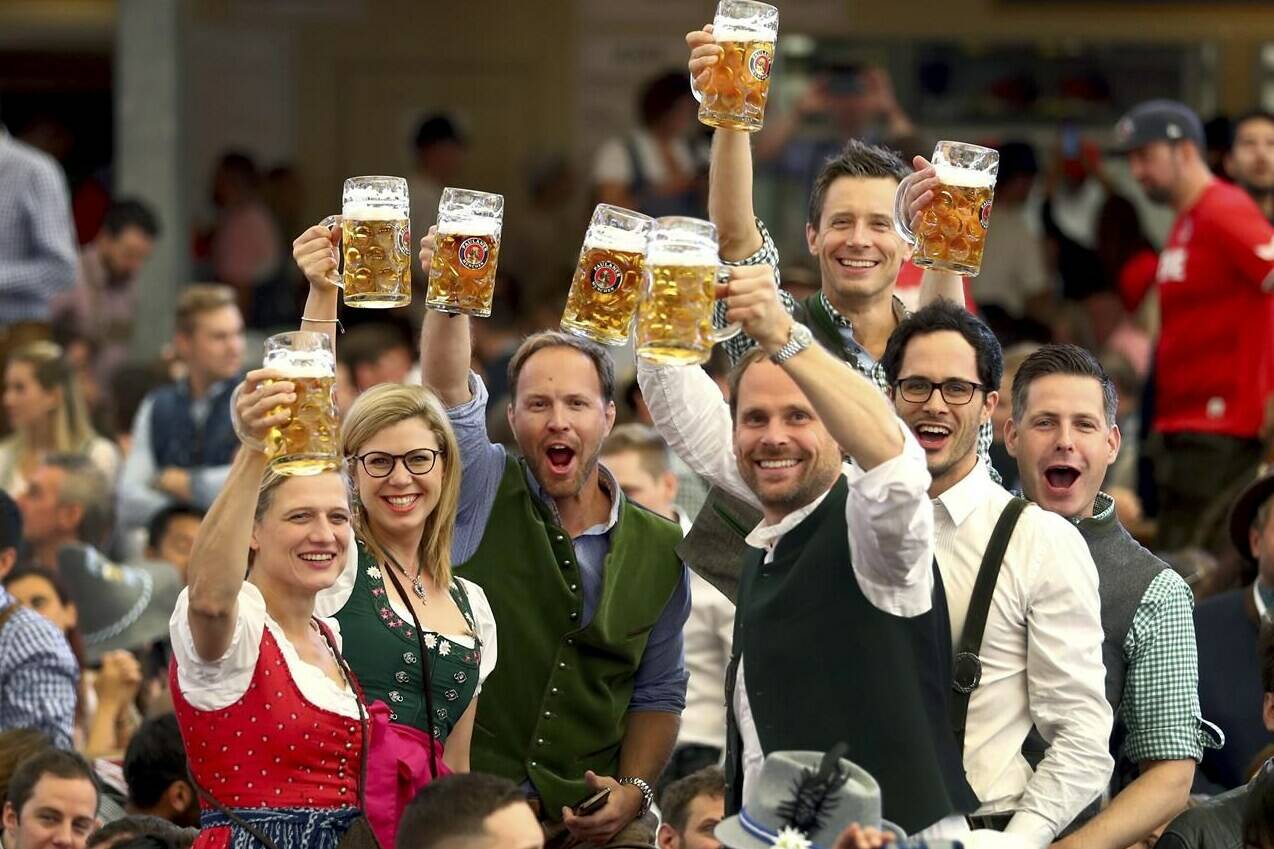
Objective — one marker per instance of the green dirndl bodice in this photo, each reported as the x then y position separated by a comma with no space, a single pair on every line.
384,652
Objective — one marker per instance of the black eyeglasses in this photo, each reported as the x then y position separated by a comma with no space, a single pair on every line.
380,464
957,393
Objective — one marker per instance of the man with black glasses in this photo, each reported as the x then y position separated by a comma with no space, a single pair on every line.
1021,590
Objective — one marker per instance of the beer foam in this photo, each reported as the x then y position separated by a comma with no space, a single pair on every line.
374,213
696,255
740,31
301,364
469,227
965,178
615,239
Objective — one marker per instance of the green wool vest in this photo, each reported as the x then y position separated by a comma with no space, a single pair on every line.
555,704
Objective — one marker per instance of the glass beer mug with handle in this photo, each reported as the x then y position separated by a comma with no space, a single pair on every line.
950,232
375,243
674,320
608,277
735,97
309,442
462,275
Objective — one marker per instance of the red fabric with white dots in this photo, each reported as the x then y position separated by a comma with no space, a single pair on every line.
272,748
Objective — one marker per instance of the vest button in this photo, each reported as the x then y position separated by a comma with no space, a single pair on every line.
574,587
561,664
566,563
574,615
558,538
548,714
570,641
534,763
540,741
553,691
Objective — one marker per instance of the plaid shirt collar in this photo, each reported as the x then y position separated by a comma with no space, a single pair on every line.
900,311
1103,510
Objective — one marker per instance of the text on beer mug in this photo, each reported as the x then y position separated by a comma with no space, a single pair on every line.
735,96
950,232
674,320
608,278
375,242
462,275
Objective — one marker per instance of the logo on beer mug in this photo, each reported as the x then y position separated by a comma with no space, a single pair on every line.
474,252
606,276
402,241
759,64
984,214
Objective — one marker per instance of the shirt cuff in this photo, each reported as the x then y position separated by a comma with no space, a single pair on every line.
1177,743
1036,831
908,469
668,696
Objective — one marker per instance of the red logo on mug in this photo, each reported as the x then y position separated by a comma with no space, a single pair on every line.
473,253
606,276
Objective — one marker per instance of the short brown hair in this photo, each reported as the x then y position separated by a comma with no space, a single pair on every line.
200,298
651,450
557,339
674,804
856,159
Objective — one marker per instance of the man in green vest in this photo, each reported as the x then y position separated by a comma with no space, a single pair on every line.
1064,437
588,593
834,638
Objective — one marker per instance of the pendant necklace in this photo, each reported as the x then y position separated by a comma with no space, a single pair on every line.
417,583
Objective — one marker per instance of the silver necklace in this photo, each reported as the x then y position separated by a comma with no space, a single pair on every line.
417,583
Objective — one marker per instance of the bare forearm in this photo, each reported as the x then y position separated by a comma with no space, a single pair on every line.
1158,794
218,555
853,410
648,743
941,286
730,194
321,304
445,354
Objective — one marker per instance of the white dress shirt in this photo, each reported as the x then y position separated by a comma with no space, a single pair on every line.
887,509
1041,659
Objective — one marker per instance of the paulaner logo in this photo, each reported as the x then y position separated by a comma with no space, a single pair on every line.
474,252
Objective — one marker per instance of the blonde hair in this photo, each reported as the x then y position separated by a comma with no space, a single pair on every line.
200,298
72,430
381,407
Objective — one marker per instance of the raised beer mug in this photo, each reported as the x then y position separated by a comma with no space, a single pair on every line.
309,442
950,232
462,276
375,243
735,96
608,277
674,320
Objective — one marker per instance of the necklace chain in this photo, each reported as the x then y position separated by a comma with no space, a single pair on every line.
417,583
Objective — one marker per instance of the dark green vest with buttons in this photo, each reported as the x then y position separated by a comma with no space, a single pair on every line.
555,704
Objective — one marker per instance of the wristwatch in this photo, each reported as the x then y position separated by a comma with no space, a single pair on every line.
800,339
647,795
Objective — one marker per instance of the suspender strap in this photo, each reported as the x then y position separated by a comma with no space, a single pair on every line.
967,668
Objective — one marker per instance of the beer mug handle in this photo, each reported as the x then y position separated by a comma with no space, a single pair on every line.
694,90
720,334
246,438
335,277
902,221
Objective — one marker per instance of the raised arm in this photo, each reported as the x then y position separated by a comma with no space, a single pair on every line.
934,285
218,558
855,412
315,253
730,171
446,349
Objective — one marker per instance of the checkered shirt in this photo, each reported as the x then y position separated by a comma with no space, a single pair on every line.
1160,704
768,254
38,255
38,675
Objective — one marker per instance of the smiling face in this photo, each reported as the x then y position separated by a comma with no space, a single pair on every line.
39,594
60,814
560,418
1062,443
785,454
301,540
858,252
399,504
948,433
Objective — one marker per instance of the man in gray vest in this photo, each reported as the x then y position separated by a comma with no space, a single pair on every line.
1021,590
839,579
585,585
1063,435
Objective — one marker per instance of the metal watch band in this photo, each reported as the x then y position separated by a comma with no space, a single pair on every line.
800,339
647,795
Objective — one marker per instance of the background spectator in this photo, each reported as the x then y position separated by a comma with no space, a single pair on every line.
52,800
1250,162
156,773
170,535
691,808
66,501
470,810
245,245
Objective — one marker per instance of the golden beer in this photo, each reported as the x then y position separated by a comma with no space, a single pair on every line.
462,276
951,231
309,443
735,96
674,323
608,278
377,249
